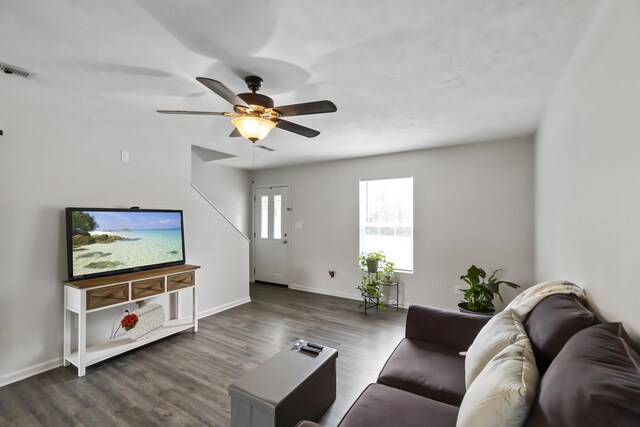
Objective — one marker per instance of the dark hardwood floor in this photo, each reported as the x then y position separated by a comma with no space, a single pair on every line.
182,380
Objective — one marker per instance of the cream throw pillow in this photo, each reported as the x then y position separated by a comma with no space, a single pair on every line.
505,390
503,329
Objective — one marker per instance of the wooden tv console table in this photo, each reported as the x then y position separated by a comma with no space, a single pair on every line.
84,297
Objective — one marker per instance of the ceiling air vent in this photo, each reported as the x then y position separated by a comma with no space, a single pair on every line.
12,69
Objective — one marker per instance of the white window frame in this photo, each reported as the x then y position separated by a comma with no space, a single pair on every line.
363,223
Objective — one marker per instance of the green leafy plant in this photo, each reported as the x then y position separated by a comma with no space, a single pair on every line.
377,258
482,290
370,287
388,269
373,265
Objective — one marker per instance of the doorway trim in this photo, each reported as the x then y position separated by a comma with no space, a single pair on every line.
254,231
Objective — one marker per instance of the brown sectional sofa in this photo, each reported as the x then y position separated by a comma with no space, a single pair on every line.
425,373
427,361
590,375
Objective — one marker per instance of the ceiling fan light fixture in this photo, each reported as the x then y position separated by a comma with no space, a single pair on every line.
255,114
253,128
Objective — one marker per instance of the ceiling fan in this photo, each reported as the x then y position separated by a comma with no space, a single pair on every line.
254,114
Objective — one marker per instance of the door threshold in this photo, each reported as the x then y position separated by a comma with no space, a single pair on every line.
260,282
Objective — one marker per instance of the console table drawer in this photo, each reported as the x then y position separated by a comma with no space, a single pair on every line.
147,288
109,295
179,281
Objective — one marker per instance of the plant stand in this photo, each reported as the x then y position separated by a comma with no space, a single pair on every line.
370,302
390,301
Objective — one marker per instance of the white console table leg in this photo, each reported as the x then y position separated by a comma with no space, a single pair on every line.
82,335
66,349
177,302
195,310
66,330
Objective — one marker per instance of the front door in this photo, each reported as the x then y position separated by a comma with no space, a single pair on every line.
271,234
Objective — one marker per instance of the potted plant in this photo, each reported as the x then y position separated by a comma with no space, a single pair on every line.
370,287
478,298
387,271
372,260
373,265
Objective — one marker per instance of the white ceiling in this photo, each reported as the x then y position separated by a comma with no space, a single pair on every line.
405,75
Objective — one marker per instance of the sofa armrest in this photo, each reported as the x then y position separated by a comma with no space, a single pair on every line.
457,330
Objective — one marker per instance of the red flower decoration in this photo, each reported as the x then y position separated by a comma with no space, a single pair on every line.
129,321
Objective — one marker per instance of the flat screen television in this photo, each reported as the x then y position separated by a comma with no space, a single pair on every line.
101,242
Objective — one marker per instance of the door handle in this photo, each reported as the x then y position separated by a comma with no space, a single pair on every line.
284,242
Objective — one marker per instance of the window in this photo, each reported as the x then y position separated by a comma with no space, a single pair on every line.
264,217
386,220
277,216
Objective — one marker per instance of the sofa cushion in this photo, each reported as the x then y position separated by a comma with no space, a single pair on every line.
552,323
382,406
430,370
505,390
446,327
594,381
501,331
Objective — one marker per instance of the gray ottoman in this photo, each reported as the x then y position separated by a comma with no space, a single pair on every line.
291,386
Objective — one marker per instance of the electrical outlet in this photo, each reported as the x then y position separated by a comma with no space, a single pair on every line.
457,290
124,156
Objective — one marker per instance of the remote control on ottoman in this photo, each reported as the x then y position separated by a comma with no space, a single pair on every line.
314,345
310,349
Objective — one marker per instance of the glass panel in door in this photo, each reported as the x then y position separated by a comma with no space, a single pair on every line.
277,216
264,217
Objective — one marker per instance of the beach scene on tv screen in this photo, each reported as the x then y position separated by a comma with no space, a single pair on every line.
108,240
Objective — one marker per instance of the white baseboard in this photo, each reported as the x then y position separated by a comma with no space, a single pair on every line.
30,371
223,307
352,296
57,362
330,292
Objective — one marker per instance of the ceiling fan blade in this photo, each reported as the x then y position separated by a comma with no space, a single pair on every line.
222,91
315,107
201,113
295,128
235,133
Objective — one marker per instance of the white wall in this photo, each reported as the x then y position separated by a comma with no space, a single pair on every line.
587,174
472,204
51,158
229,189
